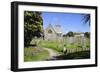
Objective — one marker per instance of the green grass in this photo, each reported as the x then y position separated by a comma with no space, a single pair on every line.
79,55
57,46
76,55
35,54
38,54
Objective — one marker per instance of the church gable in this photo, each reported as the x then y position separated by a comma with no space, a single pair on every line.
50,29
58,29
53,32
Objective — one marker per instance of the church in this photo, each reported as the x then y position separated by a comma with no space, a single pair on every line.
53,32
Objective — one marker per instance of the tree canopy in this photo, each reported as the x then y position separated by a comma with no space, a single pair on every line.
33,26
70,34
87,34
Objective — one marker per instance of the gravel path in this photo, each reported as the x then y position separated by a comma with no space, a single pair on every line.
52,53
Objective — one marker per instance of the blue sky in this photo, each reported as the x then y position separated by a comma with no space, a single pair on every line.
68,21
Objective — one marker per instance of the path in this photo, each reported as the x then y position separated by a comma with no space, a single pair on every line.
52,53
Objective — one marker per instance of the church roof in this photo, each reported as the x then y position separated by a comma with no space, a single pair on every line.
56,28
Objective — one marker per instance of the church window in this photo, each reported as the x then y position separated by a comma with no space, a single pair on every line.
49,31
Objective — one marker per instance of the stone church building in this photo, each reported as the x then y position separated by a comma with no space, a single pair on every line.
53,33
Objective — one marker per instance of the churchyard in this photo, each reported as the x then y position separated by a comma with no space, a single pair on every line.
56,36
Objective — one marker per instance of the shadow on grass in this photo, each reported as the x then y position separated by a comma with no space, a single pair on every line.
77,55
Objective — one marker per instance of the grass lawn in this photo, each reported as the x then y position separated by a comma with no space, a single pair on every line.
35,54
79,55
58,46
76,55
39,54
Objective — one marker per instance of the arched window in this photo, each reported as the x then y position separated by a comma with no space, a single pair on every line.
50,31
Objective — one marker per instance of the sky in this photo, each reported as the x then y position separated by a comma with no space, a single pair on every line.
68,21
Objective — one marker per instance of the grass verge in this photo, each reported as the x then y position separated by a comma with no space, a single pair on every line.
35,54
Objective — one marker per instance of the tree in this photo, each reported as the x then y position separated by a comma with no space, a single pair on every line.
70,34
33,26
87,34
86,18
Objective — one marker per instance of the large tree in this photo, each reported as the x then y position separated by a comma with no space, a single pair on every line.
33,26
